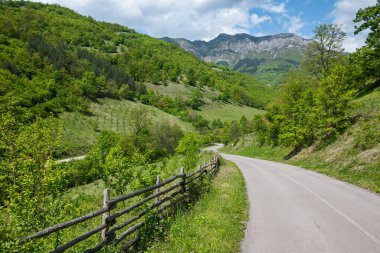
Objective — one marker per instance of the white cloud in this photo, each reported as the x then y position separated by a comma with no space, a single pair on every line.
280,8
196,19
343,14
257,20
293,24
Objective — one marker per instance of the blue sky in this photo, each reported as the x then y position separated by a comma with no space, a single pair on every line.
205,19
296,16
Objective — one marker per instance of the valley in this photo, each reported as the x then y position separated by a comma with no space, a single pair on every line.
141,111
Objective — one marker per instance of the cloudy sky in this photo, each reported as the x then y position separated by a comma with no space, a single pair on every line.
205,19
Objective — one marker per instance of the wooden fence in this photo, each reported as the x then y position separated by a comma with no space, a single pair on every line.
163,195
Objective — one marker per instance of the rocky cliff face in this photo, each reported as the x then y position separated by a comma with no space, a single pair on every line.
267,57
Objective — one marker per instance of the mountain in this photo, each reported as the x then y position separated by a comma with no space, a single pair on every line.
268,58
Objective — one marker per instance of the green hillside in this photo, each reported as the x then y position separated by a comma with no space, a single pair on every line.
55,61
63,57
80,131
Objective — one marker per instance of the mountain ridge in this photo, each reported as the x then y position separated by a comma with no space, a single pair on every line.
263,56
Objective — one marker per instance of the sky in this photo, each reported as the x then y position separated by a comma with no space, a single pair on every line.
205,19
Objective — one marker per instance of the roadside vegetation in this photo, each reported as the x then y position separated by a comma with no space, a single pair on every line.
41,193
215,223
326,116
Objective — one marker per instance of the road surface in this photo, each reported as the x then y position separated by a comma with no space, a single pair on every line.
71,159
296,210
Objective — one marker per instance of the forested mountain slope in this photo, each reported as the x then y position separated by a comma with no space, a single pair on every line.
53,59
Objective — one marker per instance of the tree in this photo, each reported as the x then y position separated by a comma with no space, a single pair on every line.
166,136
292,116
333,97
325,49
189,148
27,178
139,120
370,18
121,170
370,55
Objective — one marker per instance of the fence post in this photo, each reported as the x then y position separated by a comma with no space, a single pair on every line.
183,183
106,197
158,189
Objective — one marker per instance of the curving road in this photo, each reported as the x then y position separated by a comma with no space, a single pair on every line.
296,210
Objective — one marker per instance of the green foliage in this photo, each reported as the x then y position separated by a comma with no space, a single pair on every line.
189,148
333,97
368,135
368,18
325,50
27,177
166,136
139,120
121,171
304,113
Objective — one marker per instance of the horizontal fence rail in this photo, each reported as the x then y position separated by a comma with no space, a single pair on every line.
164,194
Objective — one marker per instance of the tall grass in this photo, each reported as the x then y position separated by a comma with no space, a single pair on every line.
215,223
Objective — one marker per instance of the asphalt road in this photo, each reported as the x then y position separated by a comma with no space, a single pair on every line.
296,210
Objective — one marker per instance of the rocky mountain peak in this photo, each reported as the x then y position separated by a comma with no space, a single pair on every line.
249,54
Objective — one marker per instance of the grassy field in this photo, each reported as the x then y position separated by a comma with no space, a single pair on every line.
173,90
80,131
217,220
227,112
185,91
211,110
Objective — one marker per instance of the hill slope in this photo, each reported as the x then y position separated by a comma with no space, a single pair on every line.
48,43
267,58
53,60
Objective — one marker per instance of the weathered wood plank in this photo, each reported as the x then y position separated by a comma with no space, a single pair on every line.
61,226
143,201
144,190
79,239
143,213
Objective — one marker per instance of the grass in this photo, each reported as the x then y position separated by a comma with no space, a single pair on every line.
367,104
80,131
185,91
217,220
173,90
247,146
227,112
